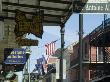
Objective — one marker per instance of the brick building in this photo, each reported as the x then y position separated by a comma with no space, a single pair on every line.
93,62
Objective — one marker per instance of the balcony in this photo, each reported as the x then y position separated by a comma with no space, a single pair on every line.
99,74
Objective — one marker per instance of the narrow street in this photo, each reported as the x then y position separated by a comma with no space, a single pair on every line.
54,40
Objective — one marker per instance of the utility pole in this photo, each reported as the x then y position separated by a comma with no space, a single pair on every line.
62,52
103,48
81,46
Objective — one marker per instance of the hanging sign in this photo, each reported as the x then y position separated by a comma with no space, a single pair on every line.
27,42
37,28
24,25
14,56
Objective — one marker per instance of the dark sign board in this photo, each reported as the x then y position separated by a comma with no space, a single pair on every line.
27,42
14,56
25,25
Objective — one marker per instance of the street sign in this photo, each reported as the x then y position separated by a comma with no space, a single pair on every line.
14,56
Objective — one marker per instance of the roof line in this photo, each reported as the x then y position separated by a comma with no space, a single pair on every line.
33,6
31,13
57,1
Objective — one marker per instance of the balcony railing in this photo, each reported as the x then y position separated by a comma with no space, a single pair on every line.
100,29
99,74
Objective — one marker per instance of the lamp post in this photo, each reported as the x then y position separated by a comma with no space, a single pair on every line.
26,74
62,52
28,51
81,46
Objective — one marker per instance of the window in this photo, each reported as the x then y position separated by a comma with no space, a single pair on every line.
91,74
85,51
100,54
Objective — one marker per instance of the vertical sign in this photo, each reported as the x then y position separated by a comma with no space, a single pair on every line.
57,69
64,68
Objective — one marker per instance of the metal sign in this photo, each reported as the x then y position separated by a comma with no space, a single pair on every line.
24,25
27,42
14,56
37,28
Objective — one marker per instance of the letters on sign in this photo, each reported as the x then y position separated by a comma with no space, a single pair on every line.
27,42
14,56
24,25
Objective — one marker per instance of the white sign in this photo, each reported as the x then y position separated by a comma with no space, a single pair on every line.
64,69
98,1
58,69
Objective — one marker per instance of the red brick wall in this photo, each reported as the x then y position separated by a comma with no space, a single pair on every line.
86,74
74,55
74,72
91,50
74,75
87,55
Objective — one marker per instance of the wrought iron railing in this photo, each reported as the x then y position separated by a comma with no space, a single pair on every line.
100,28
99,74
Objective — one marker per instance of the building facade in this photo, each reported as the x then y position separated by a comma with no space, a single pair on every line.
93,62
7,36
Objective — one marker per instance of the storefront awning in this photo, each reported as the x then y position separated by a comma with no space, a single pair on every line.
54,10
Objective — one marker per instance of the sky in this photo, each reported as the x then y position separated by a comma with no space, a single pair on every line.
51,33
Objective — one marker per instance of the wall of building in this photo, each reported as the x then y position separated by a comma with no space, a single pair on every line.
91,54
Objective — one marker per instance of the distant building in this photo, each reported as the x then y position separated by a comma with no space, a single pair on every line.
67,53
